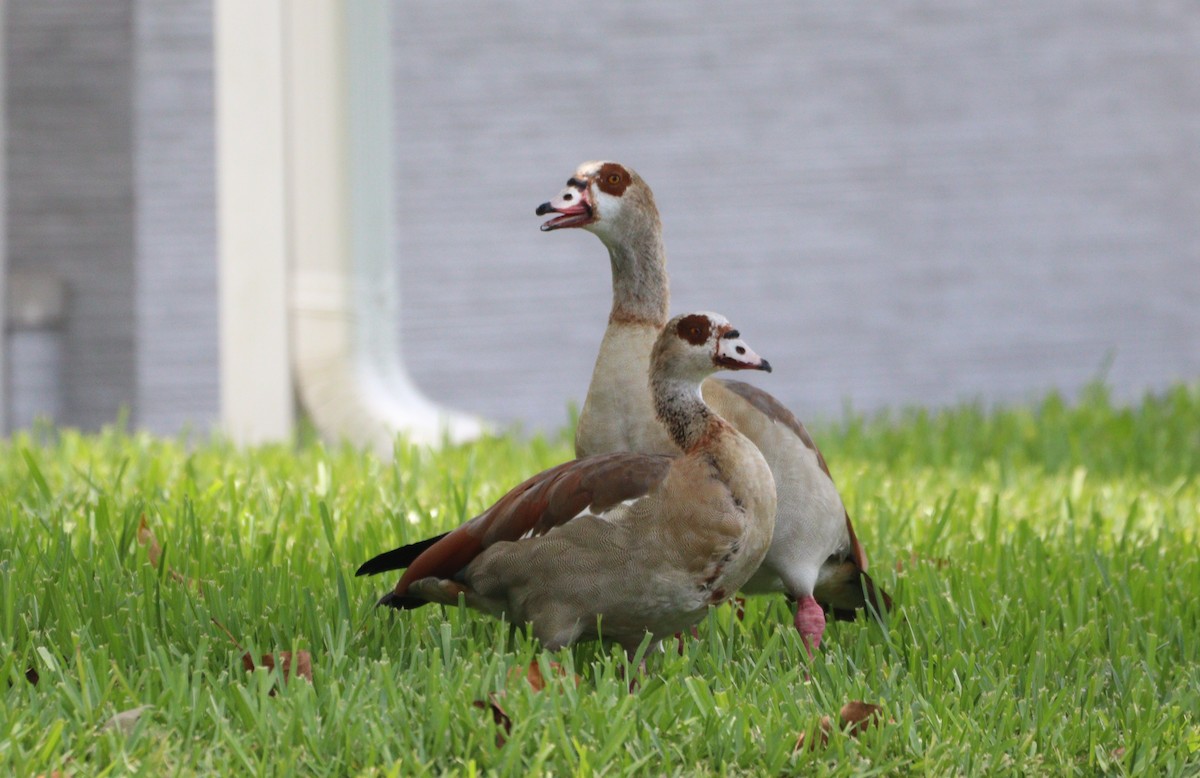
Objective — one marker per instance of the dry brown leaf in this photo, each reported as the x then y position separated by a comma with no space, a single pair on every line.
298,664
125,721
536,680
145,537
500,718
821,738
533,674
855,718
300,668
859,716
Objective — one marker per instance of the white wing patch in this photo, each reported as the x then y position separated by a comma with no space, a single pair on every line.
616,513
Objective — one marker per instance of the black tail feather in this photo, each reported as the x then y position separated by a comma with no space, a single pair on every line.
397,558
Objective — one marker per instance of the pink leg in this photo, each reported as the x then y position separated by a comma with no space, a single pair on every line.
810,622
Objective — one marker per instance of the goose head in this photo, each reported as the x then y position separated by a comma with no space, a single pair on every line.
693,346
605,198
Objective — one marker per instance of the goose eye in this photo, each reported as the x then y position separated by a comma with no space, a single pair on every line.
695,329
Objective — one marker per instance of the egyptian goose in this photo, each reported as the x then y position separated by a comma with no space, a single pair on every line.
814,556
639,542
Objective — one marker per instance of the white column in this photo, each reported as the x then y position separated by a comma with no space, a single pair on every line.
257,397
306,218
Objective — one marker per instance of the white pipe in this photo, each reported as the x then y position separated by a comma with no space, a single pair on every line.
344,306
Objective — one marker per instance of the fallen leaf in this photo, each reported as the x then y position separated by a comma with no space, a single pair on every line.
146,538
821,736
125,720
855,717
533,674
301,668
859,716
500,718
298,664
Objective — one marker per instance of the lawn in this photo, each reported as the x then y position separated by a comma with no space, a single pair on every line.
1044,561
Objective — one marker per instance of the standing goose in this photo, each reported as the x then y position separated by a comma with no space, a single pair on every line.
642,542
814,556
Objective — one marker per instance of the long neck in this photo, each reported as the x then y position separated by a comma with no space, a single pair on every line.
641,294
679,405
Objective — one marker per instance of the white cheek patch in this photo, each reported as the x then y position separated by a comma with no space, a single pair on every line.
606,206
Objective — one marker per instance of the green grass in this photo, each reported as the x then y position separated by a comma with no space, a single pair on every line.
1048,619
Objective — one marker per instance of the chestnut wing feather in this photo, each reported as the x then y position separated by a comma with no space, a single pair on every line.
541,503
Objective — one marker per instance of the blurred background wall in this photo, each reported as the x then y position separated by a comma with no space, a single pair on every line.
897,206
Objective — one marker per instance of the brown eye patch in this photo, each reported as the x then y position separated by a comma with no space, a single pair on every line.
613,179
694,329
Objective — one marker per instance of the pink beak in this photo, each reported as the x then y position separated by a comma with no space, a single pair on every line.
572,205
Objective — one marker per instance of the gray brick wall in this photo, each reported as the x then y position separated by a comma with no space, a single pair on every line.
901,205
70,185
896,205
178,382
